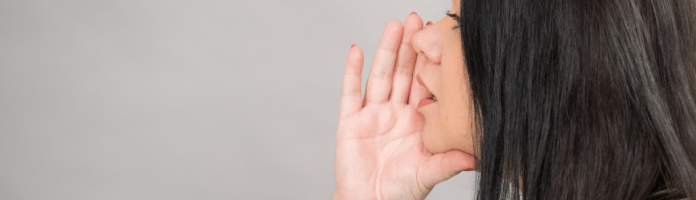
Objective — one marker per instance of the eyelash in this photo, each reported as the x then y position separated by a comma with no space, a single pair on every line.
456,18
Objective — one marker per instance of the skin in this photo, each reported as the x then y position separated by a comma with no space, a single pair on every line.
386,148
448,121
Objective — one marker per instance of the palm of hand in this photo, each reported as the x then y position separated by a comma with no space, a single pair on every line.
384,147
379,148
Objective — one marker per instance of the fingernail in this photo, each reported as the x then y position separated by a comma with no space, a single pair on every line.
429,23
414,13
352,46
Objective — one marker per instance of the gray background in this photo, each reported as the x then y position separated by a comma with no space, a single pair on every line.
196,99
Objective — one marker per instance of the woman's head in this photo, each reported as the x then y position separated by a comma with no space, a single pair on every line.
448,119
580,99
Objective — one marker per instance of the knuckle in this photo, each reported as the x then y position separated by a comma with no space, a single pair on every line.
350,93
390,49
381,74
404,70
352,75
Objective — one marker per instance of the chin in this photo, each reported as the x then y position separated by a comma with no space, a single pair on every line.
438,141
433,140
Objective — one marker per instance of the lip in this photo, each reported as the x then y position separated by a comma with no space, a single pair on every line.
424,102
420,82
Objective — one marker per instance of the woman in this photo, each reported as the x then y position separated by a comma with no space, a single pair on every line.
547,99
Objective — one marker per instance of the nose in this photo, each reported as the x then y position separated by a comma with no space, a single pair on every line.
428,43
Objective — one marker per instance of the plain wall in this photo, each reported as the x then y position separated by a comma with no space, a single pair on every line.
175,99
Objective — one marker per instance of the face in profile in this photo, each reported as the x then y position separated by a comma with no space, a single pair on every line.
449,110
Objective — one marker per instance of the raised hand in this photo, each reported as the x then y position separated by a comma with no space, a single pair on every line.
379,148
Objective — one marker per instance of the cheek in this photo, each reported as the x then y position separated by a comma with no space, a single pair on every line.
434,138
445,129
457,123
456,112
438,135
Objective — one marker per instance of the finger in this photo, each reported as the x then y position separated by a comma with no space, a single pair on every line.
441,167
351,97
406,59
418,92
379,82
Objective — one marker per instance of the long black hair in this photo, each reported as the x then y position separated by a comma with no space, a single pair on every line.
583,99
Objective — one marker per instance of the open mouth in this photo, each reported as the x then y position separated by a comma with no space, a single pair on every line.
434,98
426,101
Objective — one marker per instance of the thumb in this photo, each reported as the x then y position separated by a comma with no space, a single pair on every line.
441,167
